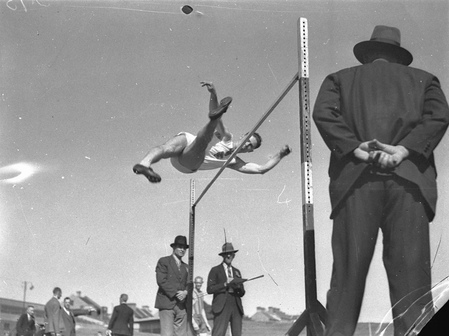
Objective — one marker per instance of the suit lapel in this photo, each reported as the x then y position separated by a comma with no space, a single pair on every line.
236,272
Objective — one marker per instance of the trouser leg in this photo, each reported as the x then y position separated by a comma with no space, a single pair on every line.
236,318
180,321
406,254
354,236
166,317
221,320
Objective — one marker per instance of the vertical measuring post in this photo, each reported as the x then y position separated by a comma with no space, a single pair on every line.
315,312
189,308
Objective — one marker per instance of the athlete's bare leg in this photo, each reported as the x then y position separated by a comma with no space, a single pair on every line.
173,147
193,155
190,156
221,132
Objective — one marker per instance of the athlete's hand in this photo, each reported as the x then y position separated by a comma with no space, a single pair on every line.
209,86
285,151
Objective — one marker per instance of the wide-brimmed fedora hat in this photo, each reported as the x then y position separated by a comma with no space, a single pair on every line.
227,248
180,240
385,39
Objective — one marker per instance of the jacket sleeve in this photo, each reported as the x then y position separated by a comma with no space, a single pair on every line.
20,325
215,285
163,278
131,323
426,135
79,312
337,135
113,318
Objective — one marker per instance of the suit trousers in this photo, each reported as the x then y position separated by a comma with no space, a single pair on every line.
230,313
396,207
174,321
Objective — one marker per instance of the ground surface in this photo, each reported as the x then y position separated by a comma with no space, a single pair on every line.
250,328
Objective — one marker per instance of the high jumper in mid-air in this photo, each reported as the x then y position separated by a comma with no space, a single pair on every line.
188,153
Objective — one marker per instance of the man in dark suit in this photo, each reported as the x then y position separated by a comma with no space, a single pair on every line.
68,317
381,120
26,325
226,284
171,277
122,319
52,314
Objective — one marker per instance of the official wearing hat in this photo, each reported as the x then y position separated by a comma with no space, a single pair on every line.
226,284
171,277
382,121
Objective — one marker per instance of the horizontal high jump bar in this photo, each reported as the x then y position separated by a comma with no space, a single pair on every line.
262,119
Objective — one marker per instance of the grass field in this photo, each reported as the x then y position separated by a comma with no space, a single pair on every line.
250,328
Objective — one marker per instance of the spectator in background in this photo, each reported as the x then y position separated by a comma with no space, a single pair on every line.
68,317
122,319
52,314
26,325
199,318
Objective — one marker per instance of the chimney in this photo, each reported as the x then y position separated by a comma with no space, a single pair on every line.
78,293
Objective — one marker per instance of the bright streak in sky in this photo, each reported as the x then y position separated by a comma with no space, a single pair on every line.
23,170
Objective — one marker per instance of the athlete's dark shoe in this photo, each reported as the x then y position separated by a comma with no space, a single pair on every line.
222,108
147,172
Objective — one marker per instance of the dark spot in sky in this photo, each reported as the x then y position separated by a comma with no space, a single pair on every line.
186,9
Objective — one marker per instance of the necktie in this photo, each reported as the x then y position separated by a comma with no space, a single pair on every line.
231,290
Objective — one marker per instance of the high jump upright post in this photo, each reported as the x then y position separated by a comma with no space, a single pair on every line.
315,314
189,307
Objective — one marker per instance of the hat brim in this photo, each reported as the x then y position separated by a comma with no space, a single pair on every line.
233,251
368,47
173,245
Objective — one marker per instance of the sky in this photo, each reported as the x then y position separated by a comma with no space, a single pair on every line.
87,87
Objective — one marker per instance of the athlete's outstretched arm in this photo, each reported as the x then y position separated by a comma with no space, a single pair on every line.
254,168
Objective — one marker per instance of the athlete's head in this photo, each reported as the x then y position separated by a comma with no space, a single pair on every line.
253,143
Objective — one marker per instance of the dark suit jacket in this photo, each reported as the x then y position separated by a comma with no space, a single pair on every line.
122,320
53,319
393,103
170,280
215,285
69,320
69,323
25,327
